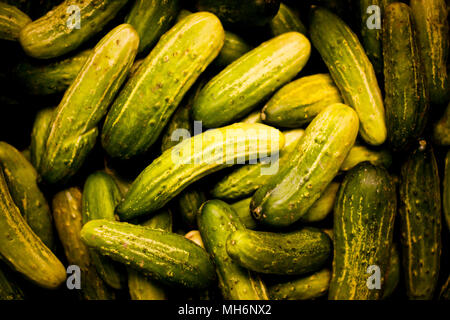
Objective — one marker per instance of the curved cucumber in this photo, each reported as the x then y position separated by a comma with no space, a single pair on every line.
360,154
446,190
286,20
441,132
12,20
39,135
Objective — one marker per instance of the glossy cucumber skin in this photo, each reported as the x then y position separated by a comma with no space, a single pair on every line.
12,20
406,98
150,97
193,159
320,153
298,102
293,253
286,20
216,221
162,255
446,190
360,154
73,129
432,32
364,216
392,275
22,179
39,135
236,90
351,71
22,249
152,19
441,131
420,213
53,35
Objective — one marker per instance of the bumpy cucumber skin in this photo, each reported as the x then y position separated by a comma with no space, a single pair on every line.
73,130
392,275
310,287
360,154
22,178
446,190
352,72
145,104
162,255
323,206
236,90
193,159
441,132
320,153
364,217
420,213
151,19
286,20
12,20
432,31
298,102
67,213
22,249
293,253
216,221
50,36
9,289
406,98
39,135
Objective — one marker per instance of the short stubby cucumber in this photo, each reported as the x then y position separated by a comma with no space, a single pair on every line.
446,190
12,21
441,131
237,90
320,153
39,135
286,20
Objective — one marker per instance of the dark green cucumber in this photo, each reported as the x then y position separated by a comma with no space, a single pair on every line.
293,253
420,213
73,129
22,249
352,72
310,287
162,255
216,222
22,179
320,153
57,32
392,275
237,90
441,132
12,21
187,204
360,154
446,190
193,159
286,20
9,288
39,135
242,209
167,73
152,19
406,99
323,206
364,217
432,32
298,102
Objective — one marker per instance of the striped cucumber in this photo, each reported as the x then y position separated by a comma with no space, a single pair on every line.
441,131
39,135
360,154
446,190
286,20
12,21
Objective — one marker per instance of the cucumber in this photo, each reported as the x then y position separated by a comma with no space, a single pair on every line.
152,19
180,121
320,153
187,204
298,102
216,221
233,48
57,33
22,249
9,289
73,129
446,190
12,21
360,154
420,213
41,79
364,216
441,130
323,206
254,117
164,256
432,34
310,287
21,178
293,253
67,212
181,55
406,99
193,159
352,72
237,90
242,209
286,20
392,275
39,135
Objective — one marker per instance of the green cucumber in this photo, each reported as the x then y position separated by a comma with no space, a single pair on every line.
193,159
22,179
323,206
187,204
233,48
254,117
181,55
293,253
446,190
360,154
39,135
73,129
298,102
9,289
12,21
286,20
352,72
57,32
237,90
441,132
242,209
216,221
164,256
392,275
432,32
22,249
364,217
320,153
406,99
420,213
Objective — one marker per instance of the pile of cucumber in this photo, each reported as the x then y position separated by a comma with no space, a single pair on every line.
224,149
